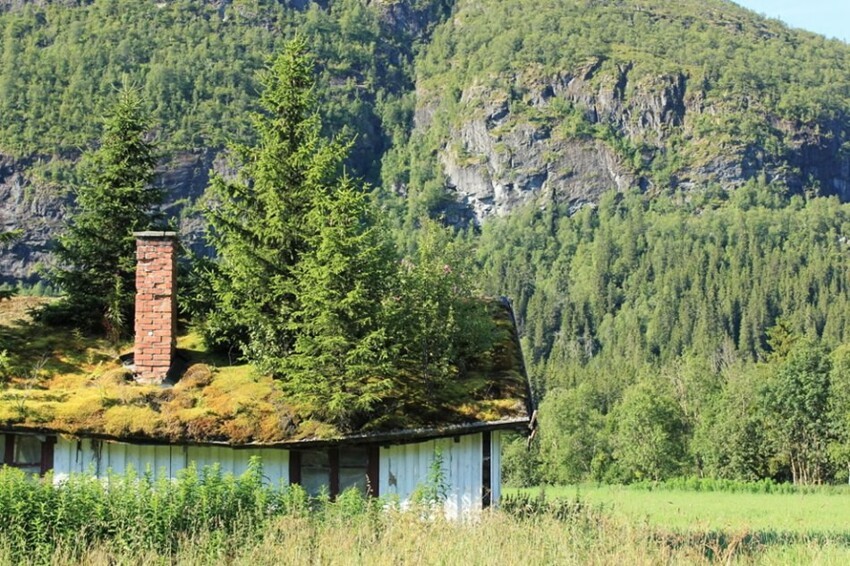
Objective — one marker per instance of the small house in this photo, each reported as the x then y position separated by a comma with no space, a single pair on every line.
110,423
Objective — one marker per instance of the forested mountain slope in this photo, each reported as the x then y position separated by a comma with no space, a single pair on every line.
658,184
196,65
464,108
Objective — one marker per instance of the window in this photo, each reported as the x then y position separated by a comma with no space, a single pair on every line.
33,454
315,471
354,469
336,469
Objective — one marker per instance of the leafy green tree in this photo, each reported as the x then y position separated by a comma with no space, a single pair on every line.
259,220
96,253
650,439
799,403
571,431
521,463
839,408
731,439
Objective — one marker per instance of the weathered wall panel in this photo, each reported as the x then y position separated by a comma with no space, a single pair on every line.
99,458
496,466
405,469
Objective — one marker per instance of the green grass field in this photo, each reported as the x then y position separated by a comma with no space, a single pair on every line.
233,521
729,527
824,512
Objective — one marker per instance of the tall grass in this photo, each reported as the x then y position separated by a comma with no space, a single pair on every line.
206,517
135,512
765,485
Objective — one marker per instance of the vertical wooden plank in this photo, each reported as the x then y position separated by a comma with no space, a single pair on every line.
133,460
373,471
294,467
333,460
172,471
146,456
60,460
237,459
47,454
462,477
496,468
420,463
225,458
117,457
457,475
486,470
155,457
383,470
194,455
88,465
177,458
79,457
169,468
97,451
283,467
9,451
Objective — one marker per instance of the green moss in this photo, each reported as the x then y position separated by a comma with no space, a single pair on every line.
130,420
214,401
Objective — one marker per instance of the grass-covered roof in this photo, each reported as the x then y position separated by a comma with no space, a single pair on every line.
53,380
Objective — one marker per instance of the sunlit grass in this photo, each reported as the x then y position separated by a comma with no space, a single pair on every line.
823,512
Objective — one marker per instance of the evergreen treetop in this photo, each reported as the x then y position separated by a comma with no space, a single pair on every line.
258,220
96,253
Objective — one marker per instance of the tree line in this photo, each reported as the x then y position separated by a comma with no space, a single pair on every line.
682,335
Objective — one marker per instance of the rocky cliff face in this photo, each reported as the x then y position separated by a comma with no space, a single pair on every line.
578,134
525,136
499,172
33,208
39,209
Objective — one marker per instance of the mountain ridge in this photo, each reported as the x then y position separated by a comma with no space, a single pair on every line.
465,109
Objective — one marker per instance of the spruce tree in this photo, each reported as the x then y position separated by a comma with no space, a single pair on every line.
342,361
258,220
96,253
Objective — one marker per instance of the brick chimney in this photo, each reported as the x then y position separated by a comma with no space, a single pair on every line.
156,305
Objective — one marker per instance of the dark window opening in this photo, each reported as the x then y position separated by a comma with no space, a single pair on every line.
315,471
32,454
335,470
486,473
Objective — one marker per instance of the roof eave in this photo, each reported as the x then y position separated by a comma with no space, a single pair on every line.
404,436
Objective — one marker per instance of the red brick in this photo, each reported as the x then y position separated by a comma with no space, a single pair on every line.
155,323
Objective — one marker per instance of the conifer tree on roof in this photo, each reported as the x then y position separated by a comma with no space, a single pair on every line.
97,252
259,219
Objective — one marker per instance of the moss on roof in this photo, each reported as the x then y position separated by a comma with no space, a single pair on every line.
69,384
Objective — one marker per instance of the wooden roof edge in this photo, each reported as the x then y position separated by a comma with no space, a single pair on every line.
405,436
530,406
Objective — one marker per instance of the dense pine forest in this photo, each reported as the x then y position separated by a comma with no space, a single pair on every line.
667,338
658,186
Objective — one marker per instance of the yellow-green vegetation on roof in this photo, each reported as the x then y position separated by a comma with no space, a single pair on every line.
62,382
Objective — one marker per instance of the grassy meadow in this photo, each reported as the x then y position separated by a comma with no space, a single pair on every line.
823,511
205,517
398,537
